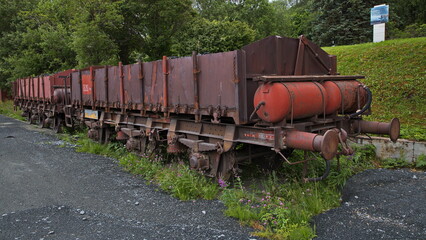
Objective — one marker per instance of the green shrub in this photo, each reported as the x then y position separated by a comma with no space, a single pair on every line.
395,163
6,108
410,31
421,162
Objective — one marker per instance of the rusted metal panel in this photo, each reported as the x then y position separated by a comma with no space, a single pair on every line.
113,86
181,82
59,81
48,94
36,88
132,84
40,88
27,88
217,79
100,85
277,55
75,87
153,85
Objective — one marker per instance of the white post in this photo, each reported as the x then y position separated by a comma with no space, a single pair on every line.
379,32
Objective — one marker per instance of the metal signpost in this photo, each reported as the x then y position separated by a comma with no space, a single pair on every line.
379,17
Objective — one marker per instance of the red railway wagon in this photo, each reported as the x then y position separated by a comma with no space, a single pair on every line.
43,97
267,98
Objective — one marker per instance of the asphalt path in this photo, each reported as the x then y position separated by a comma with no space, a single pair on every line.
48,191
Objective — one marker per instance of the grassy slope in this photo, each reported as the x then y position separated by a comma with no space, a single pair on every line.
395,71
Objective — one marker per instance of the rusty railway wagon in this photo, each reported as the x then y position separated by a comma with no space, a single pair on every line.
270,97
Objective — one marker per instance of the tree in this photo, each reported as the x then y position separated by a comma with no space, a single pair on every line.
258,14
96,26
293,18
205,36
154,23
341,22
8,25
39,41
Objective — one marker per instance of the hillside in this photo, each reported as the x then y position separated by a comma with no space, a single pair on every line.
395,71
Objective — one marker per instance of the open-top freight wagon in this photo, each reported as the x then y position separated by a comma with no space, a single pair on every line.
267,98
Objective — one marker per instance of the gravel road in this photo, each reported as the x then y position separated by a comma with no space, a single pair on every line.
52,192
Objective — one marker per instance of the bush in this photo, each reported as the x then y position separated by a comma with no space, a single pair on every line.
410,31
421,162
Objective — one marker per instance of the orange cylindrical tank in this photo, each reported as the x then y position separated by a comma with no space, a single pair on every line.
59,96
344,96
288,100
334,97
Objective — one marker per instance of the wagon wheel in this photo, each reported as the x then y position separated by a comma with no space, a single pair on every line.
57,124
227,166
41,120
30,117
151,147
144,144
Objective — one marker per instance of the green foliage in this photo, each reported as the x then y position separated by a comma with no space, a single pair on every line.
154,24
363,158
295,20
94,29
186,184
405,13
206,36
341,22
395,163
410,31
421,162
281,208
284,214
176,178
6,108
232,198
259,15
93,46
395,73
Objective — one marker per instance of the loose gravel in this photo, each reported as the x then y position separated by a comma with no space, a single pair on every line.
49,191
378,204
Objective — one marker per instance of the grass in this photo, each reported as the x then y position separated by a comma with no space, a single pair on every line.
6,108
172,177
395,71
281,207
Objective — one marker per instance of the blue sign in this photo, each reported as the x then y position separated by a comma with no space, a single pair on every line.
379,14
